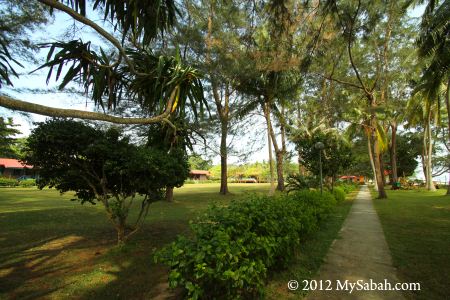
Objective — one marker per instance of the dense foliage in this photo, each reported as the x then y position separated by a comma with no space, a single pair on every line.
298,182
7,139
347,186
234,247
336,155
102,166
339,194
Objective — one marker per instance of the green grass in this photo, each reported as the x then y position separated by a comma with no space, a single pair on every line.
310,256
52,247
416,224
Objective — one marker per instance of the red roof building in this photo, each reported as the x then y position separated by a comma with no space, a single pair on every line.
199,174
13,168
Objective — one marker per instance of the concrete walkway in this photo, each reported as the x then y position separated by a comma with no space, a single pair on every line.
360,254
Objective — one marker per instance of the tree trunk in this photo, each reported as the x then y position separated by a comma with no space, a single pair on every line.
278,152
393,153
447,105
223,109
269,143
372,164
120,228
223,159
272,175
169,193
383,176
379,177
429,149
280,176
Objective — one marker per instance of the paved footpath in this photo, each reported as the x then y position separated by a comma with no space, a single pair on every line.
359,253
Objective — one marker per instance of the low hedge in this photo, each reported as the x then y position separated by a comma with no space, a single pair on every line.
8,182
12,182
27,183
232,248
347,187
339,194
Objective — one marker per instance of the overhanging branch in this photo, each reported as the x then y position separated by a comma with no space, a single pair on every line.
24,106
80,18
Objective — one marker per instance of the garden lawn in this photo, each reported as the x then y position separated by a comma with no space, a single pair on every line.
417,228
54,248
310,255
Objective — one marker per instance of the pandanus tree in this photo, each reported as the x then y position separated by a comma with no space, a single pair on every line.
161,85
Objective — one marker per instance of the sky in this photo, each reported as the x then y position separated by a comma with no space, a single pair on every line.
56,30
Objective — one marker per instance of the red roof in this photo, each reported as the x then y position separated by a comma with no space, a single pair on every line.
199,172
10,163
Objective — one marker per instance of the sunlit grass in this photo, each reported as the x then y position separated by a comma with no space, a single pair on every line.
56,248
417,228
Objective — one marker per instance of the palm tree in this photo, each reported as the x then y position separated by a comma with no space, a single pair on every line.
434,47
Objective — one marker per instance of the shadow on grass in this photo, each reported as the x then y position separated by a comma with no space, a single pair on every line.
53,248
135,275
59,258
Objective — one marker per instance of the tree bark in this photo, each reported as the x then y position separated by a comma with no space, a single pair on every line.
269,143
280,168
223,159
376,149
447,105
279,153
383,176
372,163
24,106
393,153
429,151
120,234
422,157
169,193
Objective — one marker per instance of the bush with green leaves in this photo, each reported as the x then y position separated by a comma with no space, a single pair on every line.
299,182
8,182
339,194
348,187
27,183
233,247
104,167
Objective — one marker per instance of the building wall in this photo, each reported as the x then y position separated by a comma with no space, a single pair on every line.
198,177
16,173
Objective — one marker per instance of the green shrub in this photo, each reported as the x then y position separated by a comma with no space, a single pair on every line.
233,248
299,182
8,182
193,181
339,194
27,183
347,187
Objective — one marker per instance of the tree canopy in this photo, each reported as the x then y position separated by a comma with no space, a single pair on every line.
103,166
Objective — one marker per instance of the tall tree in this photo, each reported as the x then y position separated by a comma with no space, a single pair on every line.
278,43
209,35
123,73
367,29
7,139
434,46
